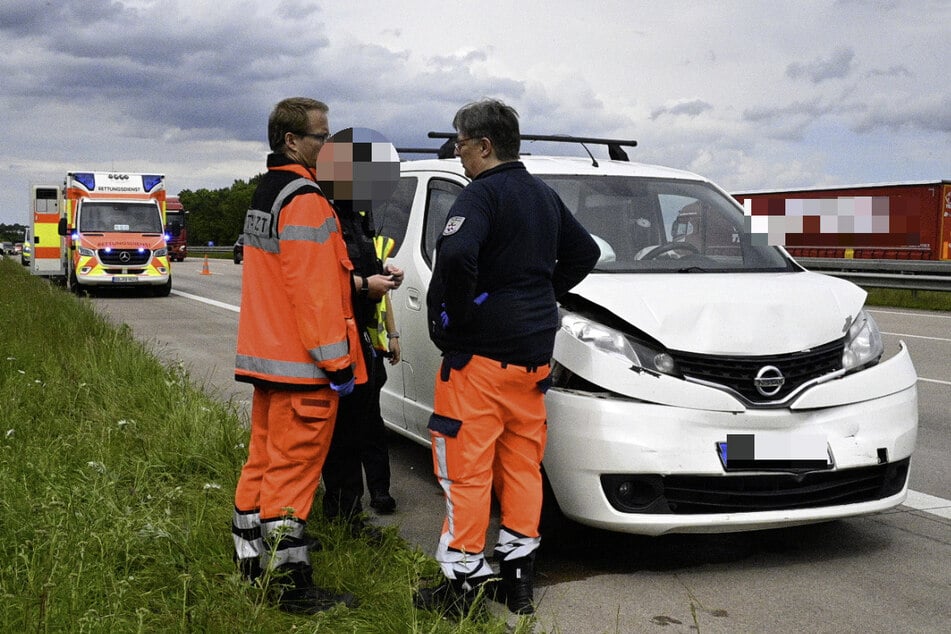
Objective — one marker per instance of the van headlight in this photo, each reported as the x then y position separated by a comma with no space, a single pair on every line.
617,344
863,346
86,252
160,253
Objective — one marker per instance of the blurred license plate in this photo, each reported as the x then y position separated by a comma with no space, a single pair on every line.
124,279
767,450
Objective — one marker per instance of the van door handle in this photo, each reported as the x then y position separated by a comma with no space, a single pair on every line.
412,299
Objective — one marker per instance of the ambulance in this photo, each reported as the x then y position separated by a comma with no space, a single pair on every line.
102,229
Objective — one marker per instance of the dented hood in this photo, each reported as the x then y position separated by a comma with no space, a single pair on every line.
730,314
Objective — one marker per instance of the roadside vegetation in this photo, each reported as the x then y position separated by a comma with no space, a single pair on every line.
117,479
896,298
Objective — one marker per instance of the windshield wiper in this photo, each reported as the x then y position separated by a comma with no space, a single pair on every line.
693,269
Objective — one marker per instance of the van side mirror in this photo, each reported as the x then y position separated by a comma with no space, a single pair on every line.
61,228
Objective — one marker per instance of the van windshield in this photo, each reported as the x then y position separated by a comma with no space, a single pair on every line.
657,225
123,217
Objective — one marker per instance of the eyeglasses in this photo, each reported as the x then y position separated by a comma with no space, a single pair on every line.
320,138
460,142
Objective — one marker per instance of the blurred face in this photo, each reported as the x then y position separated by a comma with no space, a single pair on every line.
303,148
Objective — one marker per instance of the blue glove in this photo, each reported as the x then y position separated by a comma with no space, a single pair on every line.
444,318
346,388
481,298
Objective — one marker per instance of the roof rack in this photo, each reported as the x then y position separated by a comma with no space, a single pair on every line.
447,149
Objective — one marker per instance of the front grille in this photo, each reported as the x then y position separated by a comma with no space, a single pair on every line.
124,257
701,494
123,271
738,373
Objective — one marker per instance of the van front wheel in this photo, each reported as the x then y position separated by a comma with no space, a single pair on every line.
164,290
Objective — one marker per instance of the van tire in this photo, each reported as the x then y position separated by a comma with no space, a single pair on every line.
164,290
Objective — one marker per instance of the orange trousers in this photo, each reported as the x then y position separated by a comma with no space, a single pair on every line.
290,437
488,430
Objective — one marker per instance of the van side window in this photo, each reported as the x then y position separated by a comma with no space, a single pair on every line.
392,217
439,199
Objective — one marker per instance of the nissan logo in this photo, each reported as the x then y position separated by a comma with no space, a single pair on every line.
125,257
769,380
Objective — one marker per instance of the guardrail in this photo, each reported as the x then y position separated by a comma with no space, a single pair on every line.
915,275
198,251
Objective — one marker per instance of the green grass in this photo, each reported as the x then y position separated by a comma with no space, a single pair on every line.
924,300
116,490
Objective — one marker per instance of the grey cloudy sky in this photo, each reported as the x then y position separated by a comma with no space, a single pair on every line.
755,95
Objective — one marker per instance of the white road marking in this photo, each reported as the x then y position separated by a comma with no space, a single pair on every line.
933,315
901,334
211,302
928,503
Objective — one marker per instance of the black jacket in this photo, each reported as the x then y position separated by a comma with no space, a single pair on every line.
511,236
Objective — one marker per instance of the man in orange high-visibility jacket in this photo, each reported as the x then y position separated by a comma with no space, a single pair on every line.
509,249
299,345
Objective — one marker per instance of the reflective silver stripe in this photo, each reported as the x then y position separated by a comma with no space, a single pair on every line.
459,565
246,521
272,367
247,548
286,543
439,451
286,191
270,245
331,351
513,546
319,234
260,227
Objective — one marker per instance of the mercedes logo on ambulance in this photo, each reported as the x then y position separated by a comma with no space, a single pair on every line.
125,257
769,380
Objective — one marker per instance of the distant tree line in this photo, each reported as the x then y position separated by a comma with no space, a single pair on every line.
217,215
12,233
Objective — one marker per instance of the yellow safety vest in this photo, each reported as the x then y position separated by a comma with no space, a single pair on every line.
377,330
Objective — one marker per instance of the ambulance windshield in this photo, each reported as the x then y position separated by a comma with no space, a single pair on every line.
128,217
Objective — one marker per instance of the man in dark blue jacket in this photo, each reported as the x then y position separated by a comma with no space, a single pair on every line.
510,248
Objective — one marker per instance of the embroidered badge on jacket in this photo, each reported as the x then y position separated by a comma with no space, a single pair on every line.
453,225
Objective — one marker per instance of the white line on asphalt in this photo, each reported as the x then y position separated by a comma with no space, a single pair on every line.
934,381
901,334
198,298
934,315
928,503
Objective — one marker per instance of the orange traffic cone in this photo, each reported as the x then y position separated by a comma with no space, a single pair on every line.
204,267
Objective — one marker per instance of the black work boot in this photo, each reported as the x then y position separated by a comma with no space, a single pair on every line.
454,597
518,584
297,593
250,568
382,502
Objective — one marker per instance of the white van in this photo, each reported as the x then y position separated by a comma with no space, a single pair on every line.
703,380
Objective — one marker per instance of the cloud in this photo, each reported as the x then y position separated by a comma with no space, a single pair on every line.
185,87
688,108
928,113
837,66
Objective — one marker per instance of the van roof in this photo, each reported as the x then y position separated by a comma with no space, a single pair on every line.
576,165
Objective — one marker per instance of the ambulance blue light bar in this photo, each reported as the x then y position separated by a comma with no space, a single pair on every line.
86,179
150,181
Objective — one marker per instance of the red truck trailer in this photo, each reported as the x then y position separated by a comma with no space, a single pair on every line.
176,229
885,221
